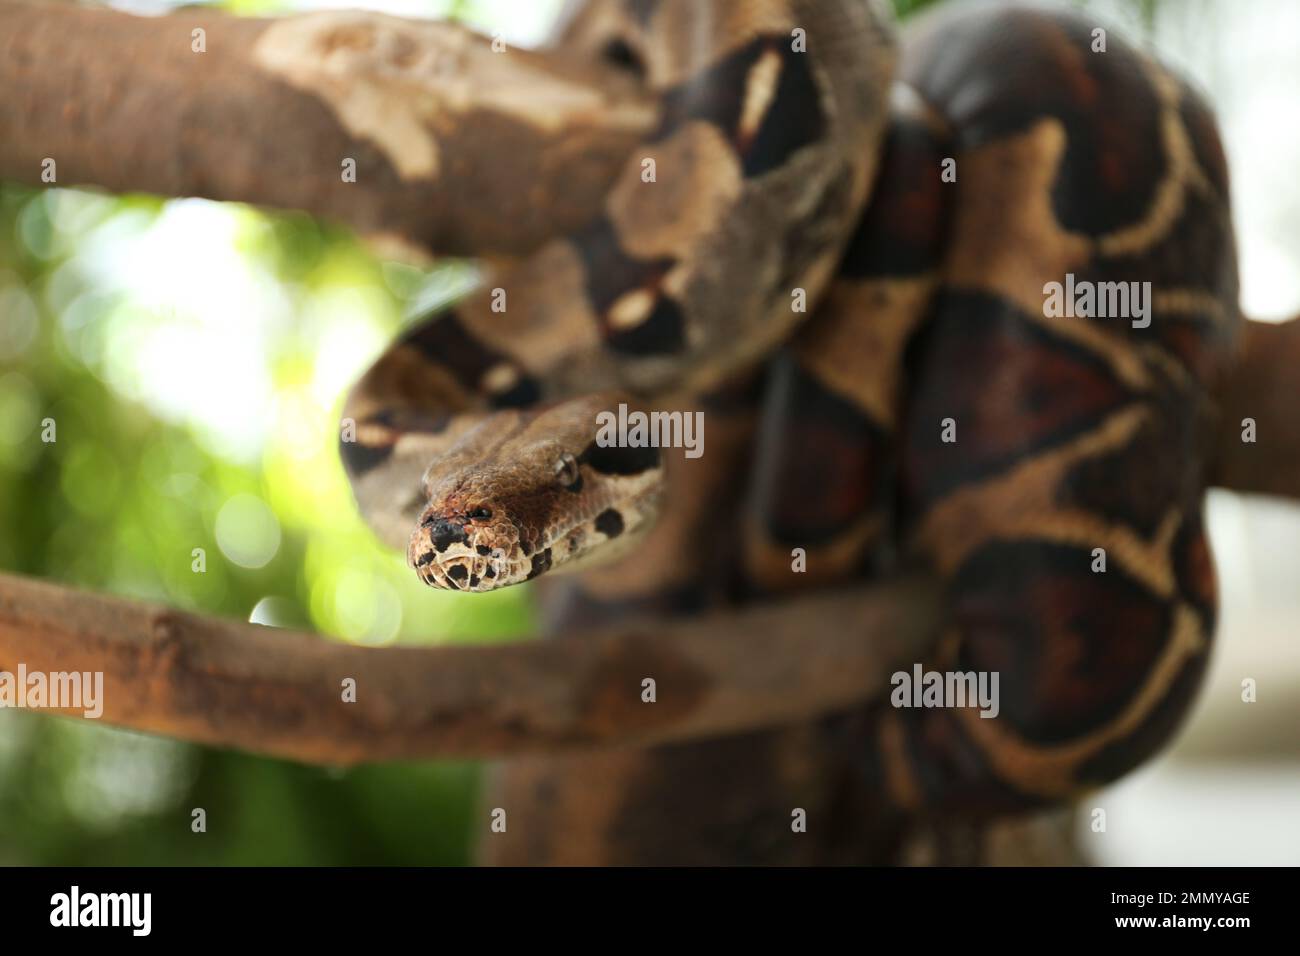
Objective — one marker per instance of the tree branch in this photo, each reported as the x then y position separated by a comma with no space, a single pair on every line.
280,692
1263,386
440,126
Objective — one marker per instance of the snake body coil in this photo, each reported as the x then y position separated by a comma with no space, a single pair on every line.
928,406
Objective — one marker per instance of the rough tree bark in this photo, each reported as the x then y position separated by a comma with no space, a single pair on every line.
279,692
271,109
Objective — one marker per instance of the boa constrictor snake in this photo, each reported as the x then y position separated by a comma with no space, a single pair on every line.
817,166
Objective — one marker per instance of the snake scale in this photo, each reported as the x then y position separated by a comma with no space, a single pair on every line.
924,409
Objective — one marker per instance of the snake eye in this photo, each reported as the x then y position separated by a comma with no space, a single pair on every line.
567,473
480,514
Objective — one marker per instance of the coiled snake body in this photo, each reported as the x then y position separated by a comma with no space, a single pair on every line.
928,409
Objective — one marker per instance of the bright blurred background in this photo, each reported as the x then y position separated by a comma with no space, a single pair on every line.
194,357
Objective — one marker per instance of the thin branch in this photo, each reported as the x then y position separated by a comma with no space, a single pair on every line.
440,126
280,692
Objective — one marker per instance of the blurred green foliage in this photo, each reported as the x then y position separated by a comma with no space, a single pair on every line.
138,477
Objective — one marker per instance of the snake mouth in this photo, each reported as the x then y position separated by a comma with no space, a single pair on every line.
462,573
458,560
470,564
476,567
459,552
475,551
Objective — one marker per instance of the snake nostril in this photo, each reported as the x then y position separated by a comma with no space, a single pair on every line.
444,532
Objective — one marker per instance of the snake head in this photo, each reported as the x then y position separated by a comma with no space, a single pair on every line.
526,493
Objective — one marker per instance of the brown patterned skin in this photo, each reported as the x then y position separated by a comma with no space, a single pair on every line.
817,461
1071,434
748,189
